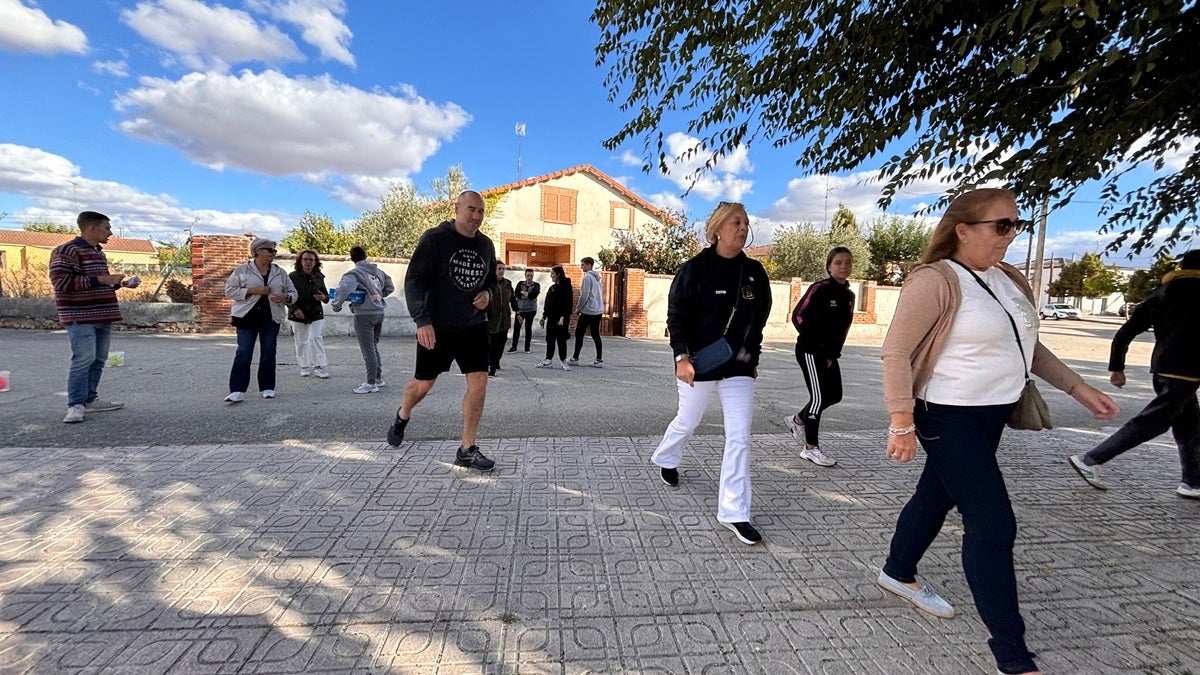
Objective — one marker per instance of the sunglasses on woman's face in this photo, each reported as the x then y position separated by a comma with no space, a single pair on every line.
1005,225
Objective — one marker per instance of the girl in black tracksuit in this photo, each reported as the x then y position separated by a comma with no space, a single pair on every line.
822,318
556,316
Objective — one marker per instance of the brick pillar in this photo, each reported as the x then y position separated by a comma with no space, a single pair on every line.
867,315
795,285
213,258
633,314
575,274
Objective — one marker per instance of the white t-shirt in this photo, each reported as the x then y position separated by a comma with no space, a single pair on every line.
980,363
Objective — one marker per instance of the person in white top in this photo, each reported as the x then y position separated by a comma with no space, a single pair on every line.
955,361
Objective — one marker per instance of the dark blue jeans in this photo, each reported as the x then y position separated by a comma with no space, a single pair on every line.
961,471
267,335
1175,408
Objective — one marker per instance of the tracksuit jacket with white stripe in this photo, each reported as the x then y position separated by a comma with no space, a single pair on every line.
823,317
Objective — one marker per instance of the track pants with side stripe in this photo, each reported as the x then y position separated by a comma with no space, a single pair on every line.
823,377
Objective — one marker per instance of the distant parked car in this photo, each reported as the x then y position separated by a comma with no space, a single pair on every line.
1057,310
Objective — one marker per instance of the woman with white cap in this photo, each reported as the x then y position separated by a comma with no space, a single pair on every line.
260,290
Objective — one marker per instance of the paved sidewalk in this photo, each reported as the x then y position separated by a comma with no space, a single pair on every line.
571,557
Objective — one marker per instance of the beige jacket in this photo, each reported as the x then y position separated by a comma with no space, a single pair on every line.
924,313
247,276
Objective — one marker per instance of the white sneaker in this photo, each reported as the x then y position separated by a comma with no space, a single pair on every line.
268,393
322,373
565,366
366,388
100,405
306,371
235,397
1184,490
546,364
380,383
795,427
74,414
817,457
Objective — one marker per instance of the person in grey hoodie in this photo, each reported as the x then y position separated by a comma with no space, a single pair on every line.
590,307
375,285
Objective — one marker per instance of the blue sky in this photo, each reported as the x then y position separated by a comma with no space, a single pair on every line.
240,116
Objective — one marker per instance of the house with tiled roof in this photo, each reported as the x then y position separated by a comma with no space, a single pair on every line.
20,249
560,217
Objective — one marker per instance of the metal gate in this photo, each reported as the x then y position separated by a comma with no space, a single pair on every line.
612,287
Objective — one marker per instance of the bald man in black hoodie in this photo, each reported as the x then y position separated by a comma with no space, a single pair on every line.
450,281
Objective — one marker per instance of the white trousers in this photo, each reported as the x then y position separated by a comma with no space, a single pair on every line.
310,345
737,404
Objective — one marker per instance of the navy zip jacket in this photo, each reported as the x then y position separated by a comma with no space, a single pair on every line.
1174,312
446,272
823,317
702,297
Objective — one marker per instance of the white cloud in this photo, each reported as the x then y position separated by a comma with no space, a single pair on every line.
57,190
668,200
114,68
720,182
320,23
629,159
28,29
209,38
272,124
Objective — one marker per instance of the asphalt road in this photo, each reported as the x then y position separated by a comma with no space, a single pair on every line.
174,386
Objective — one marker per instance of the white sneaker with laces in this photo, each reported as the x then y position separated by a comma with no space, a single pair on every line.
75,413
322,373
817,457
565,366
366,388
1187,491
380,383
305,371
795,427
235,397
268,393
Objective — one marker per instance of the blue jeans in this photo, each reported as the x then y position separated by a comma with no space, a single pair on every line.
89,351
961,471
267,335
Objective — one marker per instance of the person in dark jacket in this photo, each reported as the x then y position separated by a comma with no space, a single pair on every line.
450,281
526,295
307,315
822,318
1173,311
556,317
500,310
720,294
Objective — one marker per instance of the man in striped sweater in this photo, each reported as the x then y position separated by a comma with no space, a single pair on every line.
86,295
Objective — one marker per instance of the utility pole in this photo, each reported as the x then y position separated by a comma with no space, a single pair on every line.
520,137
1029,254
1041,251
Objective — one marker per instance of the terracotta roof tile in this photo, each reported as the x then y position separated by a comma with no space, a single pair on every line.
51,240
597,174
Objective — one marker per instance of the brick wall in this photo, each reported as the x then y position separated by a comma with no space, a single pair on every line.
634,313
213,259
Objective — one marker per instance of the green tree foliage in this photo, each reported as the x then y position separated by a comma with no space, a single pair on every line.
1144,282
320,234
405,213
51,228
1087,277
896,245
657,247
800,250
1043,95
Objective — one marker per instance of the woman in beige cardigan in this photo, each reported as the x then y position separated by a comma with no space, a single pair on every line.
965,312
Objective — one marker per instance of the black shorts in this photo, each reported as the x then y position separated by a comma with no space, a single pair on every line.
469,347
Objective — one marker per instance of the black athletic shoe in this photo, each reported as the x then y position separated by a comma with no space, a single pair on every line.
670,476
396,431
511,350
745,532
472,458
